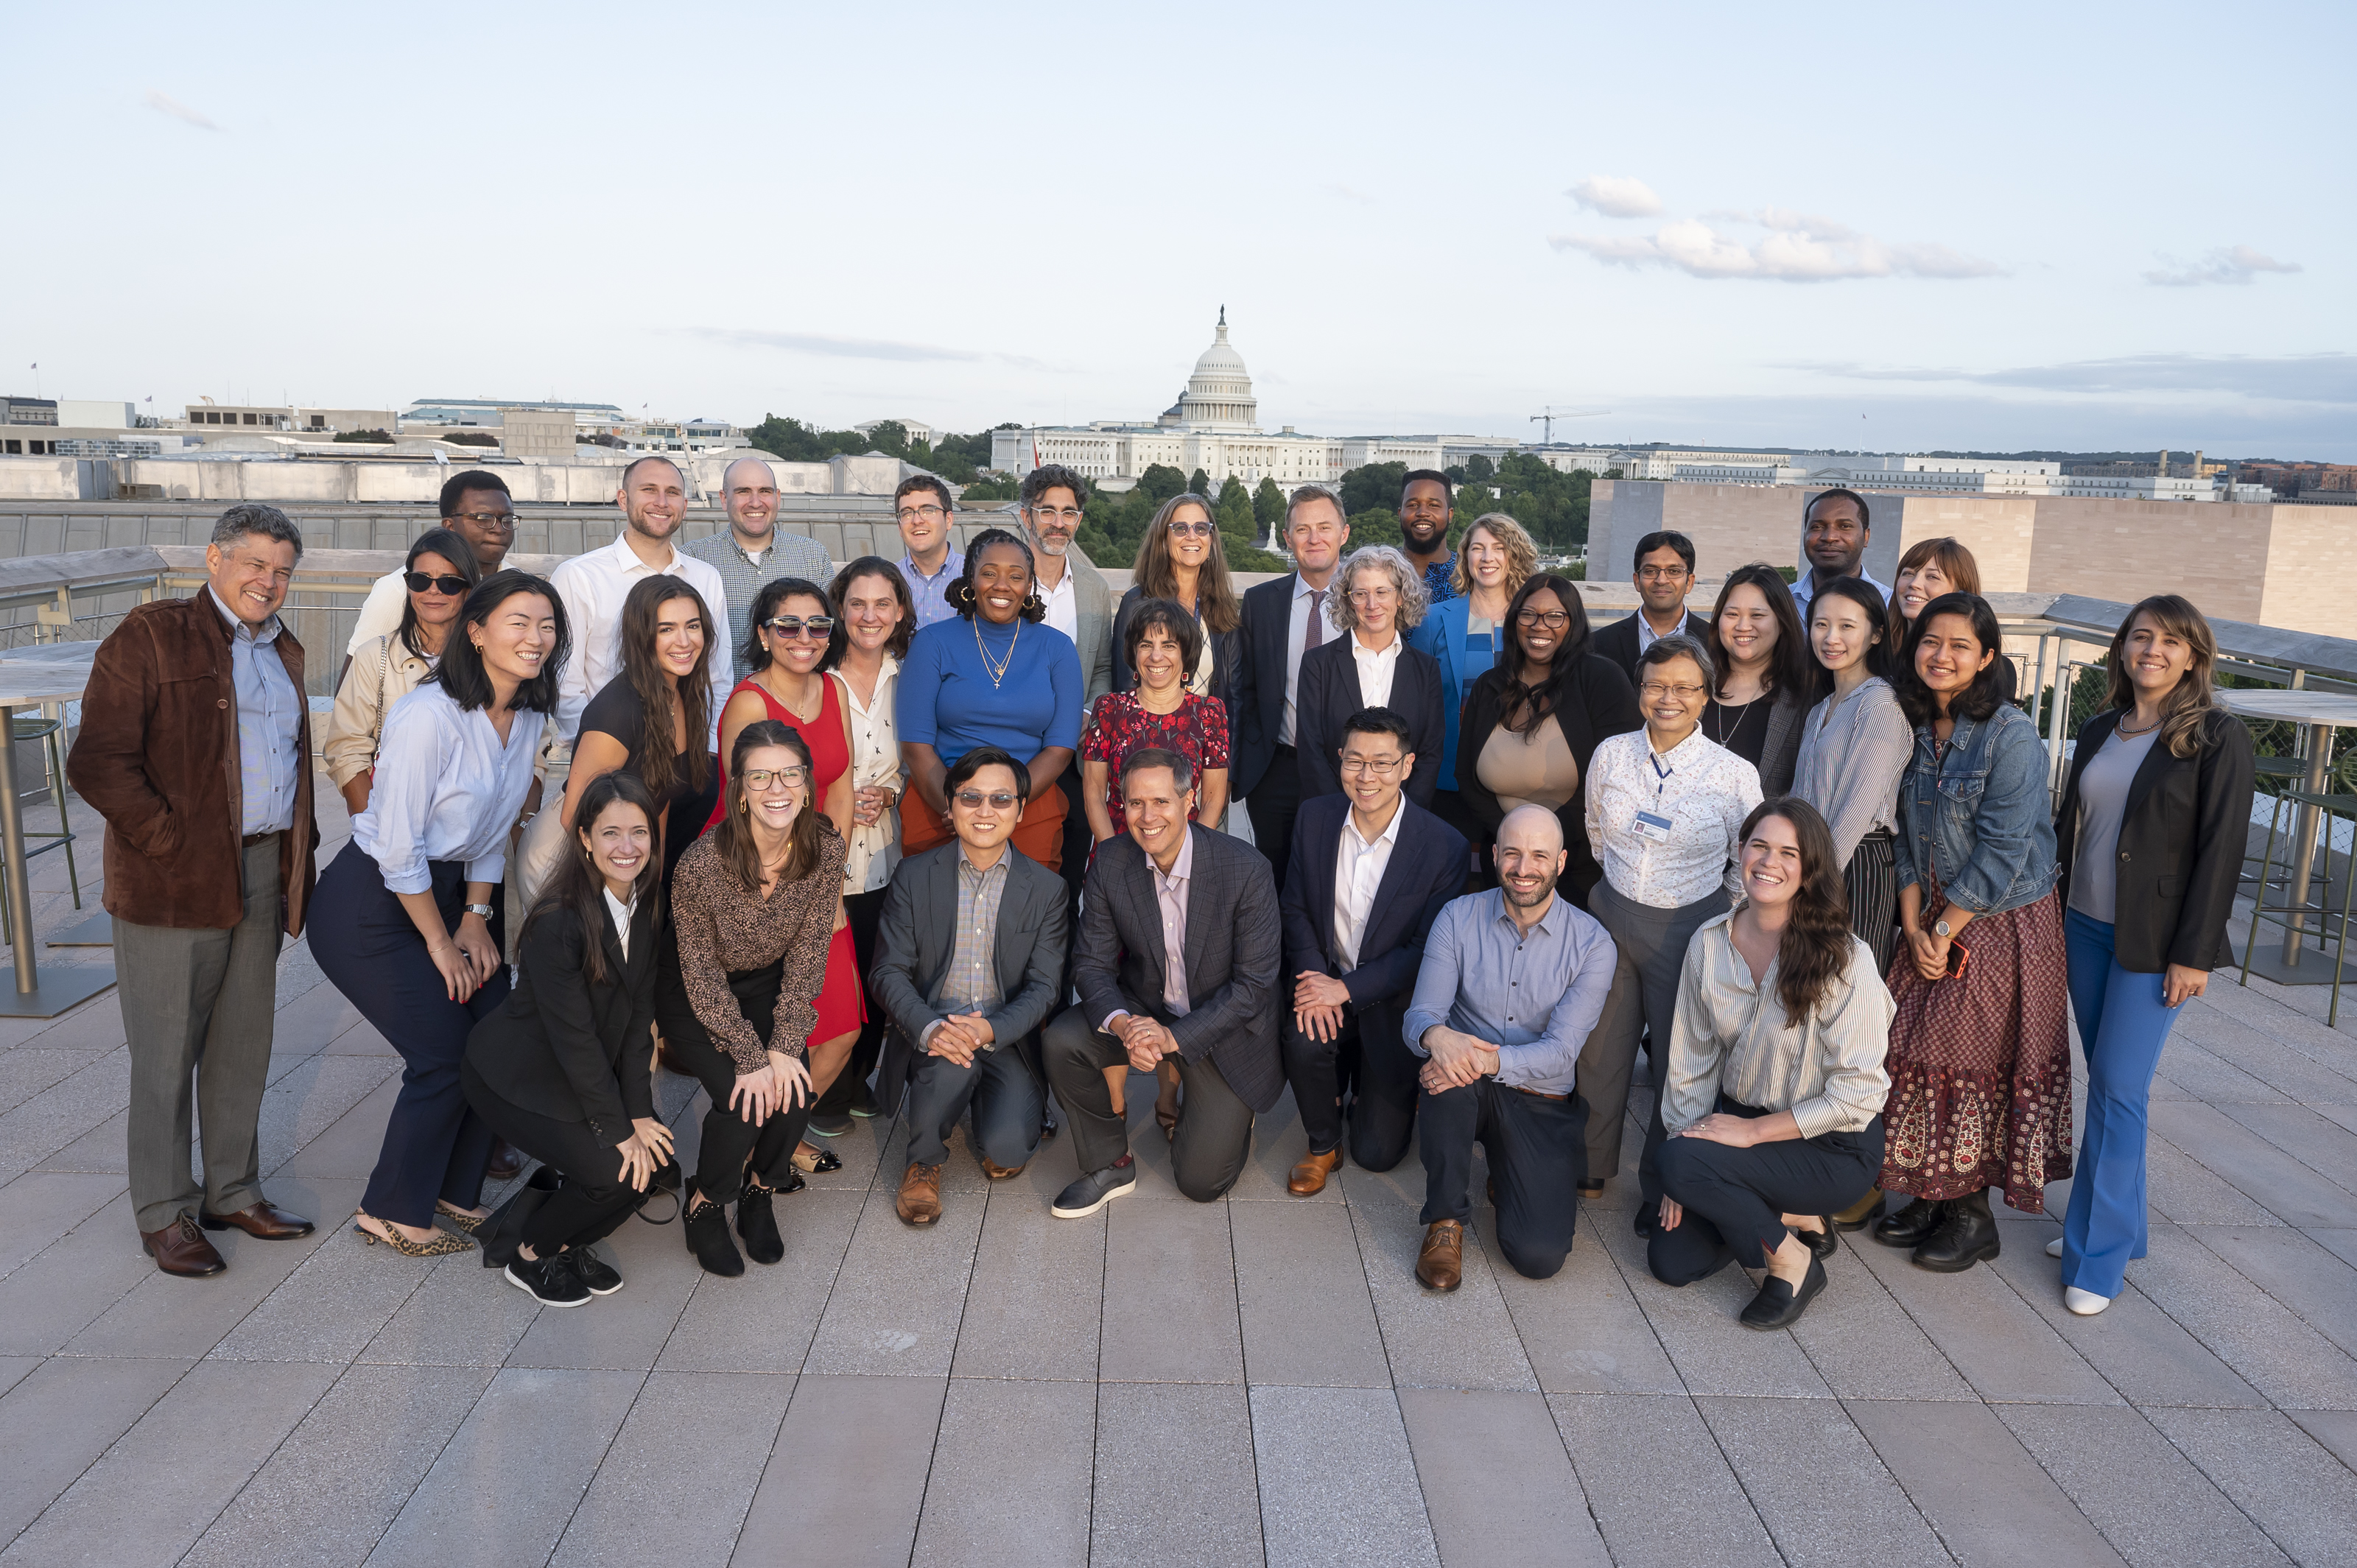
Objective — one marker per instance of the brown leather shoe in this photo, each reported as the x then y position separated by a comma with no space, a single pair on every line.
1309,1177
181,1248
920,1202
997,1172
265,1222
1441,1264
507,1161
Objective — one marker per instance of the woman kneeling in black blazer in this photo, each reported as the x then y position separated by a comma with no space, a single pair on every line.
563,1070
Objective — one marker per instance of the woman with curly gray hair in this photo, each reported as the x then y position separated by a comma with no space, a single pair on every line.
1369,665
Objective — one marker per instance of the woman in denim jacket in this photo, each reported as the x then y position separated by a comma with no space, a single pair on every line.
1980,1049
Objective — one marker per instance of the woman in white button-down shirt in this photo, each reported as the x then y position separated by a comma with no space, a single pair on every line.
1665,810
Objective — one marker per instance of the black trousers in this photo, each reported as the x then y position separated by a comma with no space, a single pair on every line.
1272,804
1872,879
1369,1053
591,1197
1008,1106
730,1143
1734,1200
865,913
1214,1134
1538,1150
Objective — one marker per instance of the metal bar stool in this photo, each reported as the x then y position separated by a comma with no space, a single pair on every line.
29,727
2328,809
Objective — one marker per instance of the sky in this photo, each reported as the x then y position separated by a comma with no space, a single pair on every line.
1852,228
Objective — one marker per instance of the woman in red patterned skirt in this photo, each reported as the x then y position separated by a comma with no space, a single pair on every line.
1980,1049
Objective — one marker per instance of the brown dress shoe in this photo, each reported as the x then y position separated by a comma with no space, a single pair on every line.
265,1222
1441,1264
920,1202
1309,1177
507,1162
181,1248
997,1172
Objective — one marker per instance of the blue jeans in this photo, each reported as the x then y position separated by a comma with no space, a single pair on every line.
2123,1024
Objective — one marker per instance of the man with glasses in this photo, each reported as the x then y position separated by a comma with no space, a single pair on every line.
1664,576
921,507
1282,620
1080,604
475,507
750,551
1427,498
1371,870
970,962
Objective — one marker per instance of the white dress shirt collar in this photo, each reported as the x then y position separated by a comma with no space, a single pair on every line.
621,913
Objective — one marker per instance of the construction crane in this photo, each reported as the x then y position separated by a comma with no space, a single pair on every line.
1546,420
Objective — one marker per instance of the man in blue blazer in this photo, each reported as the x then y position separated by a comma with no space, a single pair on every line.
1370,871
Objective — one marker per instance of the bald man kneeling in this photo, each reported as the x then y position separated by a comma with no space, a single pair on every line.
1511,982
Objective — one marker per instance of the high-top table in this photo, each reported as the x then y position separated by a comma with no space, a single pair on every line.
2320,712
46,672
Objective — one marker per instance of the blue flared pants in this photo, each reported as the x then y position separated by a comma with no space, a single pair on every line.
2123,1025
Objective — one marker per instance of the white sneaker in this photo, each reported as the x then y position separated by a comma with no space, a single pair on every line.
2085,1302
2054,1248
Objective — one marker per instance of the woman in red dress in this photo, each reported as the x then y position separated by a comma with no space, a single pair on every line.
1162,643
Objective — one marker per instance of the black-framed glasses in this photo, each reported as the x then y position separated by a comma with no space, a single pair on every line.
815,629
1380,767
762,777
503,522
421,582
974,799
926,513
1552,620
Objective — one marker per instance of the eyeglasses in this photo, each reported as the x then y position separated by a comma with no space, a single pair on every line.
422,582
1660,574
496,521
1374,596
817,629
1070,514
1197,529
1552,620
920,514
762,777
974,799
1652,690
1380,767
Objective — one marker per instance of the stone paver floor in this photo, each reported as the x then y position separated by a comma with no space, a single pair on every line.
1253,1381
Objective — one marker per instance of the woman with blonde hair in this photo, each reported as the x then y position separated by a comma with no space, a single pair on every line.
1180,559
1371,665
1465,635
2150,839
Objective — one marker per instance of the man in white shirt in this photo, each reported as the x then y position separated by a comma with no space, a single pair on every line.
751,553
1080,604
1282,619
475,507
1834,531
653,498
1370,871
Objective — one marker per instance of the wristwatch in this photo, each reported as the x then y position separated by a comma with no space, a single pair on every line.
1943,929
483,911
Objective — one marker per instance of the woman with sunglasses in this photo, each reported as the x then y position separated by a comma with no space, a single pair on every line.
438,576
1182,559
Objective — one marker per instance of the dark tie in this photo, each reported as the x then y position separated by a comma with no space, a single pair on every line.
1315,632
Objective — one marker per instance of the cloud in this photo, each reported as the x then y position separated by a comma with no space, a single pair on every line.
178,111
1615,195
2291,377
853,348
2235,264
1798,247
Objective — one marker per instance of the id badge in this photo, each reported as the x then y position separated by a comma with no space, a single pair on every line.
1653,827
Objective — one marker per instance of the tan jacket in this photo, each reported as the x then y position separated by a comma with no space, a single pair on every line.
383,672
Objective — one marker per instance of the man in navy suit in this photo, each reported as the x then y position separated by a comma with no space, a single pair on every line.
1283,619
1370,871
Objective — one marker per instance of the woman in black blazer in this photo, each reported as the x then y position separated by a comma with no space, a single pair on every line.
563,1070
1546,673
2154,822
1380,598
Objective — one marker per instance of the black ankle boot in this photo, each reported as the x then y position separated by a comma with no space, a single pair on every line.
1909,1226
1967,1235
706,1229
759,1226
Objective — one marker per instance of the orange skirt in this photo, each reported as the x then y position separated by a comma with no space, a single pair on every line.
1040,835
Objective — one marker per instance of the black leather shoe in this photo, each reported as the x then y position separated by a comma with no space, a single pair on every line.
759,1226
1094,1191
1967,1235
594,1271
1590,1191
1911,1225
706,1229
1778,1305
1821,1244
1643,1224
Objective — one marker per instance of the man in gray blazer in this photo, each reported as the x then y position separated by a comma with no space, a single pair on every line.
969,963
1080,604
1179,956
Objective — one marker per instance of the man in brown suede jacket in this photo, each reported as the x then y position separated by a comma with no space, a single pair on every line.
196,747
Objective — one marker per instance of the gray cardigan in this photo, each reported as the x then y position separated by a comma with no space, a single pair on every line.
1854,750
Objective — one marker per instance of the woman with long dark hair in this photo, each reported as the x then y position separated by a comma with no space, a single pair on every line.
652,718
1766,678
1532,721
439,571
2155,819
1772,1100
1980,1047
754,904
1853,748
1180,558
561,1070
401,921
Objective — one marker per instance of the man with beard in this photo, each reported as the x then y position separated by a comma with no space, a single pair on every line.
750,551
1427,500
1283,620
1080,604
1834,535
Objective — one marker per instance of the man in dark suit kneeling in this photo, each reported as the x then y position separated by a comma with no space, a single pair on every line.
1179,956
970,961
1370,871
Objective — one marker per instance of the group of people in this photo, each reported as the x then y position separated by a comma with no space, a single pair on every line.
941,837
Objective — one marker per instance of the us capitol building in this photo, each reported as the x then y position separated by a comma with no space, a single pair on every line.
1215,427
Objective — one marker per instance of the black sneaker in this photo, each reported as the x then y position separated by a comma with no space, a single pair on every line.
549,1281
759,1226
595,1272
706,1230
830,1125
863,1101
1096,1189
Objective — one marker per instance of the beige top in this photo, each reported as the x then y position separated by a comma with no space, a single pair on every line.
875,761
1534,770
383,672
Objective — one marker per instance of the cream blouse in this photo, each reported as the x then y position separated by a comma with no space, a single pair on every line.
875,761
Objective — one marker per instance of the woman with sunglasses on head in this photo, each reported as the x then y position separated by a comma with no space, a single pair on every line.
438,576
1929,568
994,674
1180,559
1766,680
755,904
651,718
1162,646
1980,1049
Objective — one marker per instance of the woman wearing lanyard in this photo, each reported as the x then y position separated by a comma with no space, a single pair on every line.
400,919
439,573
994,675
1180,559
1766,678
1372,666
2155,819
1466,636
1980,1049
1665,810
1163,645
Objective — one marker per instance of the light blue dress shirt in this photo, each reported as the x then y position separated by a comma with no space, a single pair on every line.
1535,998
926,594
447,788
269,722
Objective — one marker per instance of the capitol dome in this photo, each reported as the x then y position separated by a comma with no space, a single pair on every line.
1219,396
